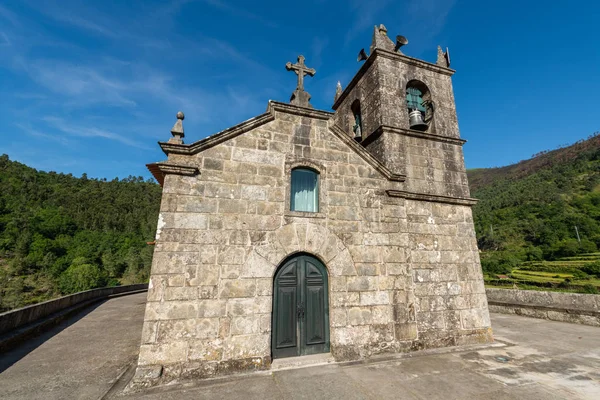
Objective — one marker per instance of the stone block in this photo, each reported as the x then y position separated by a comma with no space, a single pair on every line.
171,310
406,331
196,204
367,269
244,325
362,283
208,292
254,193
180,293
264,287
474,318
249,306
163,353
338,317
382,314
149,332
342,264
337,284
344,299
237,288
203,275
374,298
210,308
244,346
186,329
230,271
190,221
205,350
354,336
232,206
258,267
232,254
359,316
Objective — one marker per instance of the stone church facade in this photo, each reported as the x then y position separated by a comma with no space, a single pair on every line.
381,256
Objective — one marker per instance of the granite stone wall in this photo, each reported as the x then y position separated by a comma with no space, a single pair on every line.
403,274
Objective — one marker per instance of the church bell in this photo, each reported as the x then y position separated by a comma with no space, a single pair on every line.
416,122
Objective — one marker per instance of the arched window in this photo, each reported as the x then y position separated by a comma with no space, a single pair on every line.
304,190
357,128
419,106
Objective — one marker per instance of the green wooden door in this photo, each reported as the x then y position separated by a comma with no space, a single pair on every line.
300,308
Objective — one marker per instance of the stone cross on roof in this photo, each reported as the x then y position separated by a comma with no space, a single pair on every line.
300,97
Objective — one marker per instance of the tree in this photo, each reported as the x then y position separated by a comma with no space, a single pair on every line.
81,276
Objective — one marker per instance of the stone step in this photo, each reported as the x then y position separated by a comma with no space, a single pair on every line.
302,361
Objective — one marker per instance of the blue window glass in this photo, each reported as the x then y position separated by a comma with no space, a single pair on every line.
305,190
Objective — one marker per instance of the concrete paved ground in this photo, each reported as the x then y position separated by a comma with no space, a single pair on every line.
542,360
79,359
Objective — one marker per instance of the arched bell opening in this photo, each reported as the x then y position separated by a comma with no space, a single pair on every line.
420,106
300,319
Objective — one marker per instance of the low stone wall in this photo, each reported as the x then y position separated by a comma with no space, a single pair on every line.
556,306
27,321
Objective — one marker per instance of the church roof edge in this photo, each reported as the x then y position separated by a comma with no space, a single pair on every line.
378,52
230,133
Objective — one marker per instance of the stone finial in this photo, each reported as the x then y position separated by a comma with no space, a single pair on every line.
300,97
177,130
440,57
381,39
443,59
338,91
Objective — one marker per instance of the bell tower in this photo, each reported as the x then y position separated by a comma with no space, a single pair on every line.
407,117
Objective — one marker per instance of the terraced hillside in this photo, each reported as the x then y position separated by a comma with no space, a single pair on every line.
538,221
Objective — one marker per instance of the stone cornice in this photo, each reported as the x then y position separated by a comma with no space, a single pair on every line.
160,169
462,201
413,133
414,61
377,52
365,155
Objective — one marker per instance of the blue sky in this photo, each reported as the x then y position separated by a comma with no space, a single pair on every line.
91,86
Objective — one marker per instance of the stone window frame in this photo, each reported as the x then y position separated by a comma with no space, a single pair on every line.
318,168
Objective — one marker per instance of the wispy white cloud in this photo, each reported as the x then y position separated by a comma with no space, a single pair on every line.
85,83
239,11
29,130
4,40
90,132
9,16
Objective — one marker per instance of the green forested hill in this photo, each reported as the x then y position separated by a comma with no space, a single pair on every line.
61,234
534,210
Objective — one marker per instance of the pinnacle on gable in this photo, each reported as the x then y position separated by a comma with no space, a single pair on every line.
381,40
177,130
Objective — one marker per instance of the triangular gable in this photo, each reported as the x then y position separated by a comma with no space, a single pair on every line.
273,107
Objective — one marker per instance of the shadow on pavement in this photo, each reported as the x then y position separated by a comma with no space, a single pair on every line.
12,356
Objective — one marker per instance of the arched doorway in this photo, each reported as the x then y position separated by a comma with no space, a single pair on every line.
300,323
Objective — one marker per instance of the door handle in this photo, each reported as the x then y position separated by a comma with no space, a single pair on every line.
300,310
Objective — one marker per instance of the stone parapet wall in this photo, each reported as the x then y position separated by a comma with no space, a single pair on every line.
14,319
23,323
557,306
